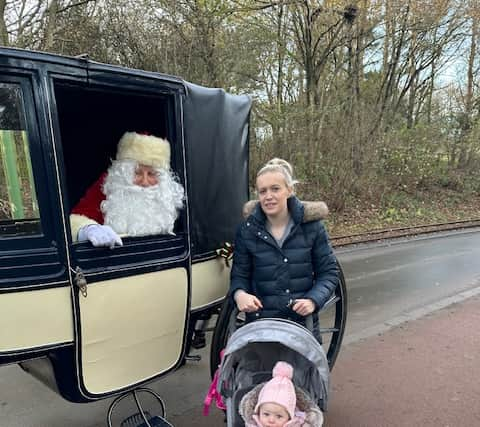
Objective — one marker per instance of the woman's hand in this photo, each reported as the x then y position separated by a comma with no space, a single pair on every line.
304,306
247,302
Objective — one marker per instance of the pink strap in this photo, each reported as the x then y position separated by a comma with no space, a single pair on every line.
213,394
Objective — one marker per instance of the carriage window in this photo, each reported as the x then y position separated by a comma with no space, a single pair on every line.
18,202
145,199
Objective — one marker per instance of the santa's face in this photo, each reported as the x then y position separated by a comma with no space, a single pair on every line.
145,176
133,209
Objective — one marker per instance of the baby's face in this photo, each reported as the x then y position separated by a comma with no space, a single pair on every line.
272,415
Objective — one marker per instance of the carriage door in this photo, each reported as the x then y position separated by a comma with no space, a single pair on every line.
35,307
131,303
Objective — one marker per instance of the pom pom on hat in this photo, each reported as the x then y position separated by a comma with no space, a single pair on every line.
283,369
145,149
279,389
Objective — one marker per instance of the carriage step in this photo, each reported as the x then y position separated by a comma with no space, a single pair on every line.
142,418
193,358
137,420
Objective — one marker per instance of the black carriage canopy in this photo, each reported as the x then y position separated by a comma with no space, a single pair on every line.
216,126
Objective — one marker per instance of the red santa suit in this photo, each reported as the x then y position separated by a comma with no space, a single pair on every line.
89,205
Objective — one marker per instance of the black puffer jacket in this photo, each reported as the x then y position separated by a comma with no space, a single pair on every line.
304,267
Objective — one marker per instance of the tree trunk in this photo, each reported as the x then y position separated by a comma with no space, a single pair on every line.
413,77
279,121
3,27
357,71
467,124
49,37
388,34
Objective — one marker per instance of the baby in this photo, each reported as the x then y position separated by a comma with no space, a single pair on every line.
277,402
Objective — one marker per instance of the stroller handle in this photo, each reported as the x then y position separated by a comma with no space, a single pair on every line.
232,324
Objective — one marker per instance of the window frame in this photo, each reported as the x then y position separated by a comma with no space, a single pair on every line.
35,260
139,254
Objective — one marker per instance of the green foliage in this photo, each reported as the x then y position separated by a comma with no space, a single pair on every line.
415,158
17,192
399,207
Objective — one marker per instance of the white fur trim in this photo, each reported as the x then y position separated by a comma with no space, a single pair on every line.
314,211
77,222
145,149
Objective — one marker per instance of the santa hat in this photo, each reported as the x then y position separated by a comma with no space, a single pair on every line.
279,389
145,149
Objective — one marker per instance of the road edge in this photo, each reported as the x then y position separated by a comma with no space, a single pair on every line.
409,316
392,241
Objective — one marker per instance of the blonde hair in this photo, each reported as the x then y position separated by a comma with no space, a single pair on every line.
282,166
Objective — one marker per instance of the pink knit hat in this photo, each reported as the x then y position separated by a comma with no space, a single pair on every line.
279,389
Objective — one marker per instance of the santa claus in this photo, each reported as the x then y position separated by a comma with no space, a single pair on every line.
138,195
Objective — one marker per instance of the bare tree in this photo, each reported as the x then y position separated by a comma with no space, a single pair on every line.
422,33
469,117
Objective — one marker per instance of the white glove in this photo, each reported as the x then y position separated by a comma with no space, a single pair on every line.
99,235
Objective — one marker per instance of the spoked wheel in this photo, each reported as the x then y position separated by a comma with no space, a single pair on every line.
332,315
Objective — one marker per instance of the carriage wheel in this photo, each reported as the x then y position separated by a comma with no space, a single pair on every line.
333,316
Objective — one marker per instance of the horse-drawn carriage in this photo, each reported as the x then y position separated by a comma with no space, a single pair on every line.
94,322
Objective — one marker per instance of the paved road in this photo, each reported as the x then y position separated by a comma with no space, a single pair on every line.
387,284
388,281
421,373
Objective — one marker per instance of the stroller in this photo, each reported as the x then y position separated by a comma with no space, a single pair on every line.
250,355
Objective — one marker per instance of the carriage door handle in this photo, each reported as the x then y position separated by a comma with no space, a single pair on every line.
80,281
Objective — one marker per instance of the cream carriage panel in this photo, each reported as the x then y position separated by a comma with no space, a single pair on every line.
38,318
132,328
210,282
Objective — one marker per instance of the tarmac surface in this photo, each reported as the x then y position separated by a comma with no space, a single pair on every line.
423,372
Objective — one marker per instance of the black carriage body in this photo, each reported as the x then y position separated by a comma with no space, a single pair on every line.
60,120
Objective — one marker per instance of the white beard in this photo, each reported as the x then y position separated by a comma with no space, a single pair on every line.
138,211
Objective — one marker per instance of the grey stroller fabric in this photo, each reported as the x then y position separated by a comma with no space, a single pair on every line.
313,415
245,355
253,350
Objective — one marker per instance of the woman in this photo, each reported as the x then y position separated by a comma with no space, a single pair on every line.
283,263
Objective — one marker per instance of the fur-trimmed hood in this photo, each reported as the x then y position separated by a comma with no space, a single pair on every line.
313,415
312,211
